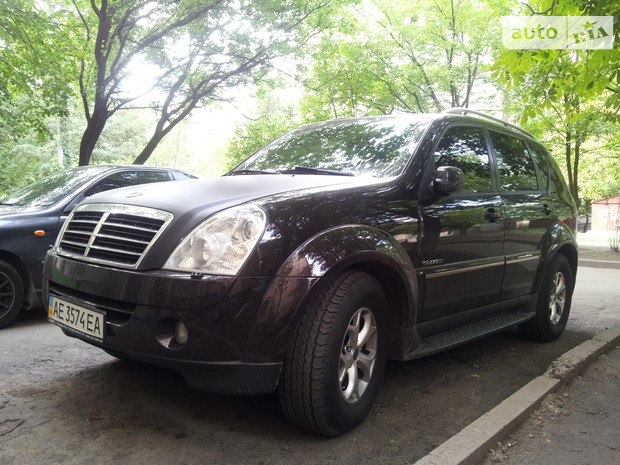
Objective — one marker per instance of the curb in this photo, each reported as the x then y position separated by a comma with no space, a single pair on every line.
471,444
591,263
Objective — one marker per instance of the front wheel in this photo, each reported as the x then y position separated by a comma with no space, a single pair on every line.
11,294
333,370
554,301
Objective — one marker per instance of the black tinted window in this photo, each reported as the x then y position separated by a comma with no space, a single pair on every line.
515,165
465,148
557,180
542,162
128,178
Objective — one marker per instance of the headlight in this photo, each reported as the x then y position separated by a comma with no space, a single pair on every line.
221,244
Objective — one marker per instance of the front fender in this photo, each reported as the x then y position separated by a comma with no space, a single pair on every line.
324,255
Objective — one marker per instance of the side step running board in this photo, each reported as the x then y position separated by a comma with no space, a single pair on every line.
470,332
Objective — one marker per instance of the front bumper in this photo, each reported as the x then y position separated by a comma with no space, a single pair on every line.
237,378
232,347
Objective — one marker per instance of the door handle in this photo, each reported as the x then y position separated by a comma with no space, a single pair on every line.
491,215
547,209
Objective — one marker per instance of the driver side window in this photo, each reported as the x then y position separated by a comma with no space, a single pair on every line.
466,148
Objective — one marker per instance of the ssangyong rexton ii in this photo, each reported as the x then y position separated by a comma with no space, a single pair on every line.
333,248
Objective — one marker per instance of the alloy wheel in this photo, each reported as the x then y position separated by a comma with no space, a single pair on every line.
557,299
358,355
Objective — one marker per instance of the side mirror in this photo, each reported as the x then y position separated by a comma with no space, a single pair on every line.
448,179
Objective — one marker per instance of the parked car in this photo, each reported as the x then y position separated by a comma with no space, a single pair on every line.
333,248
31,218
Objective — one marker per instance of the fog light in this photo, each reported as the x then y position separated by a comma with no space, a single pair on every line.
180,333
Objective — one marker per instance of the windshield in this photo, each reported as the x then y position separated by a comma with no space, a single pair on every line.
49,190
378,147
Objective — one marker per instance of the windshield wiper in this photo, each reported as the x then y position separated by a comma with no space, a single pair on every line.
306,170
237,172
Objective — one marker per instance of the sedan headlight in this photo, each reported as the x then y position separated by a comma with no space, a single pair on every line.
221,244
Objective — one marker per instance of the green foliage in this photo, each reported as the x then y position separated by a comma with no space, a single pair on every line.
405,55
24,162
197,50
570,96
250,137
19,116
194,53
26,158
36,69
123,138
36,73
600,167
275,113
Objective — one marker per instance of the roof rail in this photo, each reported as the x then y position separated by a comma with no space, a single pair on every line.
464,111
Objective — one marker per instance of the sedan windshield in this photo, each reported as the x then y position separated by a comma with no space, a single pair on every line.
378,147
50,189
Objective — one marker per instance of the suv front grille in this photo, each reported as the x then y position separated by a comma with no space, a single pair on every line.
112,234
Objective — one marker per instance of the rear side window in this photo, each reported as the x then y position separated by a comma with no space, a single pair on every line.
542,162
557,179
465,148
514,163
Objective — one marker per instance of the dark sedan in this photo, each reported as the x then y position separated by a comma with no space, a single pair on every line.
31,218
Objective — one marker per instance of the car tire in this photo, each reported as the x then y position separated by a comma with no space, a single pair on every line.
335,364
554,302
11,294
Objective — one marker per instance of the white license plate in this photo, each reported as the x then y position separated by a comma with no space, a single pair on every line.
76,318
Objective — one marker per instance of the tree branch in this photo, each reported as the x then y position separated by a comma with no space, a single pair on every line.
540,13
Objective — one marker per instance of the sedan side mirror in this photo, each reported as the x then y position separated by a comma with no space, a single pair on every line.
448,179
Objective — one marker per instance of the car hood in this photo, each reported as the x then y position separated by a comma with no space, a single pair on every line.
211,195
6,210
12,212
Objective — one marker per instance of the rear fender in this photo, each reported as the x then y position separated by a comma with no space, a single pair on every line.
558,239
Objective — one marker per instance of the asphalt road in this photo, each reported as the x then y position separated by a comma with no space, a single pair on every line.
63,401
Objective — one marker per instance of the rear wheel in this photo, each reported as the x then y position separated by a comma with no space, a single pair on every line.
11,294
333,370
554,301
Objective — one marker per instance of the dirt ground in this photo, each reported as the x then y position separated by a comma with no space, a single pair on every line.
578,425
65,402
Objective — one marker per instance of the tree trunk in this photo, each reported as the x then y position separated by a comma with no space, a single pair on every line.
575,180
97,121
91,135
568,140
148,149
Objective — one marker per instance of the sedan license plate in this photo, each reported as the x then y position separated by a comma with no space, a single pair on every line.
77,319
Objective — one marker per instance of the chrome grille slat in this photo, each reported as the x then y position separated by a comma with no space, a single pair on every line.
74,243
109,236
77,231
112,234
118,251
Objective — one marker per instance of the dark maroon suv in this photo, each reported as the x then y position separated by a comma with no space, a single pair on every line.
333,248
